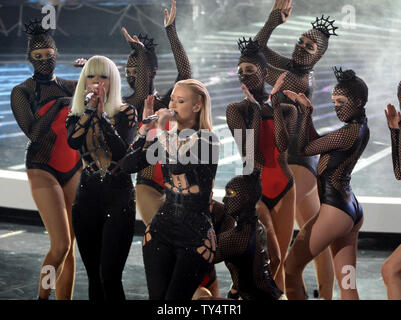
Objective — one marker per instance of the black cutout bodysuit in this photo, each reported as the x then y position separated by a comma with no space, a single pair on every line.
103,213
179,244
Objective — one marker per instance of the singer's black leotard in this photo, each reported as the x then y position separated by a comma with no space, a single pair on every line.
179,244
40,105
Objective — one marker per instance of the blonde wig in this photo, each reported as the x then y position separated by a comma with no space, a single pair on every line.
99,65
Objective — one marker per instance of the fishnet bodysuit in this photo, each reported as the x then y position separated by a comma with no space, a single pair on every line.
246,115
299,79
339,152
247,260
27,99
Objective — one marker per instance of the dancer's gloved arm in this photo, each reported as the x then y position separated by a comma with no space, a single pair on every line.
285,116
34,126
142,69
240,117
393,120
395,152
180,56
342,138
280,13
285,122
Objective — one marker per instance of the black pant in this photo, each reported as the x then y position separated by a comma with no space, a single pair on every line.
103,218
172,273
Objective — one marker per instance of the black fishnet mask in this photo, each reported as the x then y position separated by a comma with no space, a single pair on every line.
355,90
242,194
132,62
302,57
255,81
42,41
354,108
44,66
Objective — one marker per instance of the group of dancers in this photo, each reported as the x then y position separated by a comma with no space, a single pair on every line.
85,141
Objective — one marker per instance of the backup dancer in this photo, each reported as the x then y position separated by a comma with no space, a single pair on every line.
179,244
270,140
391,268
40,106
241,239
104,208
340,216
309,49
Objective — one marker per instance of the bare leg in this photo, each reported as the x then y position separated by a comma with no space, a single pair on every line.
344,251
317,234
65,283
308,205
391,271
49,199
283,215
273,247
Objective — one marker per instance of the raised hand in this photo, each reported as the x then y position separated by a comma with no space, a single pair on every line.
170,17
393,116
304,103
291,95
79,63
129,38
279,83
285,7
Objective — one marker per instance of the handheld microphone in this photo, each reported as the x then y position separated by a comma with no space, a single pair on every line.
90,94
154,117
88,97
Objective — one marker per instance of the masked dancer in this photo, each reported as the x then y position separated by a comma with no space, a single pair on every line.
308,50
268,148
40,106
340,216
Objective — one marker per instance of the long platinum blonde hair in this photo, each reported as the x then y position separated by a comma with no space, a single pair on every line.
198,88
99,65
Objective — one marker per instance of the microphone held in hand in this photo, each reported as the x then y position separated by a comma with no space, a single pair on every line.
154,117
88,98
